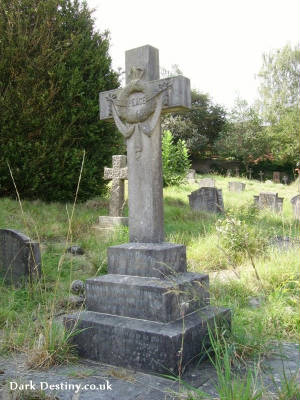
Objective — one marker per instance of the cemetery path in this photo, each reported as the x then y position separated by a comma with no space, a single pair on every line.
121,384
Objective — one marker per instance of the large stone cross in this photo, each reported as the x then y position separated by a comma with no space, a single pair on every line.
136,111
117,174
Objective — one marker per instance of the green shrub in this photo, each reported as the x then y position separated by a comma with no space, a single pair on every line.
239,239
175,160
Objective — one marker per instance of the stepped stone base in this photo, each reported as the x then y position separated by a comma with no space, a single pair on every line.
147,259
154,299
144,345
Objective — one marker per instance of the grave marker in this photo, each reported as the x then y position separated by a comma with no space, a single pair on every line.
261,174
117,174
134,317
276,177
285,179
237,172
269,200
296,206
207,182
207,199
250,173
20,257
236,186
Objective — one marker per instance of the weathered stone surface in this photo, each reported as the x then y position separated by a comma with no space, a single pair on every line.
207,182
154,299
118,173
136,111
236,186
141,344
296,206
276,177
19,256
261,174
146,259
207,199
269,200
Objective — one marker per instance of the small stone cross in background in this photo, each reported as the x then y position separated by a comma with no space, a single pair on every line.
285,179
250,173
118,173
261,174
237,172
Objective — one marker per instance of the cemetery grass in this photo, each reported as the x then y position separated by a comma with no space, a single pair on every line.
264,310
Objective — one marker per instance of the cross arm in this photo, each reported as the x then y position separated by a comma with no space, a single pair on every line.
177,96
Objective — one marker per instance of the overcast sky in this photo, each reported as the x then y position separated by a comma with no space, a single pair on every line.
218,44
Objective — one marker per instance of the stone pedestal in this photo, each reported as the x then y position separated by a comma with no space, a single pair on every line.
146,322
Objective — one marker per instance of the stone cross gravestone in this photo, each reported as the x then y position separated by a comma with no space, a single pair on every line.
207,182
276,177
236,186
118,173
261,174
20,257
228,173
134,313
250,173
296,206
269,200
237,172
285,179
207,199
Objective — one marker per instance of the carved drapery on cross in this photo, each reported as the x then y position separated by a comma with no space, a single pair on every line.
137,108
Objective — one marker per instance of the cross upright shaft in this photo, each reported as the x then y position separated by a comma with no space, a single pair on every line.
136,111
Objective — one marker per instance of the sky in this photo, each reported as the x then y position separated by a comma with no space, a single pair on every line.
218,44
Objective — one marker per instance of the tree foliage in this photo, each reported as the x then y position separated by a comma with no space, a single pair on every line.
244,138
199,127
279,82
175,160
52,65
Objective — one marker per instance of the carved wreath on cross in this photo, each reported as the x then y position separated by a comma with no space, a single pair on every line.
143,118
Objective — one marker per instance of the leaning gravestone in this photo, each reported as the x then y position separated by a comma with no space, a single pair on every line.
296,206
207,182
140,313
236,186
207,199
117,174
269,200
20,258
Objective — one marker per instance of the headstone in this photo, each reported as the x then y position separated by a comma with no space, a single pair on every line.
250,173
296,206
269,200
135,313
237,172
236,186
117,174
207,182
261,174
228,173
20,257
276,177
207,199
285,179
191,176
